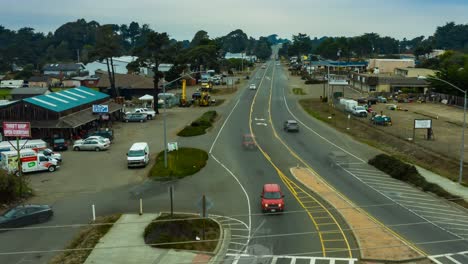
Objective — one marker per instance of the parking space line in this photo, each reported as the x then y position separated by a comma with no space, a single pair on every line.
429,208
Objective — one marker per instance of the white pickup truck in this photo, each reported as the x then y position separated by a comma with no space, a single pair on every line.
150,114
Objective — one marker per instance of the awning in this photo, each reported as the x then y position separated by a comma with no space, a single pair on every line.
146,97
76,119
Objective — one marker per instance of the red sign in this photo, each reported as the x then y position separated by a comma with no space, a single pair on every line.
16,129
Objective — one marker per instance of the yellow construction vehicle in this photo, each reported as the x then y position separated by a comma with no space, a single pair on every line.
183,98
204,99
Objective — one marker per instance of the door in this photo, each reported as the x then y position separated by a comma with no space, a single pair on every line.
44,163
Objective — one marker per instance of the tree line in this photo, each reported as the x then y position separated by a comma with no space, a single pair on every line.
448,37
78,40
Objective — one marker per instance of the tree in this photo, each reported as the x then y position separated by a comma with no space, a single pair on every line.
236,41
107,46
199,36
301,45
155,51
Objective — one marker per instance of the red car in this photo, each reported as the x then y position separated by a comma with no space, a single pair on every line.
248,141
272,198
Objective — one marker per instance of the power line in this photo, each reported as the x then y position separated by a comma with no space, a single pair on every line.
319,210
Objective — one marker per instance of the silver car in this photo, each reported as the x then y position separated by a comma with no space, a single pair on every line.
91,144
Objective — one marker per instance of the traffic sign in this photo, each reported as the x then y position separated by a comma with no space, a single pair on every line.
100,108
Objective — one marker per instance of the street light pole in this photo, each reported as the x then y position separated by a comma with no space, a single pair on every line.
462,145
164,114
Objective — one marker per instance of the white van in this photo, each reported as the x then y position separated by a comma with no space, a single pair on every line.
138,155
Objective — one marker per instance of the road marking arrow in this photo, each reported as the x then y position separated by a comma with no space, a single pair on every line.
259,119
268,78
262,124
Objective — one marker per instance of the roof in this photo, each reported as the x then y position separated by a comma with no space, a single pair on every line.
138,145
39,79
85,78
130,81
63,67
66,99
30,90
271,187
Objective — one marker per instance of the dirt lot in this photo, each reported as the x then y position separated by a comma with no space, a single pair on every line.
440,155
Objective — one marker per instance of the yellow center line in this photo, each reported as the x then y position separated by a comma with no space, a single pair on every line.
292,186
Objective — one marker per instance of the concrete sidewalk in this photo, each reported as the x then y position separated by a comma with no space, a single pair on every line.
124,244
448,185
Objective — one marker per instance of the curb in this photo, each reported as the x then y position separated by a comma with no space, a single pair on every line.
221,248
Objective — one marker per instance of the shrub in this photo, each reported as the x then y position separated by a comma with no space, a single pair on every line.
199,126
405,172
10,188
180,163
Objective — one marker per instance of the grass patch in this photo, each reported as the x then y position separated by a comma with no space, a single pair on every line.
199,126
408,173
180,163
87,238
298,91
376,136
222,91
5,94
181,230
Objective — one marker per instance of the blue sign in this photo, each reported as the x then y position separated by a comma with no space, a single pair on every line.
100,109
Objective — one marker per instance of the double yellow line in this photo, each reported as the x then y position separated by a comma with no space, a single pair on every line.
288,182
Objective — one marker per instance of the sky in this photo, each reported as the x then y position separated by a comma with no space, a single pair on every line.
181,19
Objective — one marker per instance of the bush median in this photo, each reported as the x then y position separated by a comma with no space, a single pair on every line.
199,126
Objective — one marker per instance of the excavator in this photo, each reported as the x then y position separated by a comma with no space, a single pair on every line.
183,98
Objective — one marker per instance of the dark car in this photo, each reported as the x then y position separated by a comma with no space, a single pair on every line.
248,141
135,118
103,133
59,144
291,126
23,215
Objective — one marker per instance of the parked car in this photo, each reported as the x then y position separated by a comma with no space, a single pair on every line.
248,141
253,86
381,99
23,215
49,153
135,118
291,126
99,138
272,198
109,134
360,111
362,100
92,144
59,144
150,113
372,100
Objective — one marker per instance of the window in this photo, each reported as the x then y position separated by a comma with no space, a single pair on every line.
372,88
41,159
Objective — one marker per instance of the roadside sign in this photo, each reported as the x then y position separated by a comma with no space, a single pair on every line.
100,108
208,205
171,146
422,123
16,129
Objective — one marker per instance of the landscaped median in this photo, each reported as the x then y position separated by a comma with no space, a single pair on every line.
180,163
183,232
87,238
199,126
377,243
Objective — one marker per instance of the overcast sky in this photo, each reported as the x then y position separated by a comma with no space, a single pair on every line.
182,18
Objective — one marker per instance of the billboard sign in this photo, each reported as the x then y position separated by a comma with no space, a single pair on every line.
422,123
100,109
16,129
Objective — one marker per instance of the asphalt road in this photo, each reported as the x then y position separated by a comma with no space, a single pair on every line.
316,140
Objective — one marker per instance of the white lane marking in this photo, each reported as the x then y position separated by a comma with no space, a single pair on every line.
431,204
243,189
461,229
242,244
369,173
407,191
261,124
222,127
430,209
403,197
316,133
448,221
464,221
259,119
367,170
454,260
404,206
410,195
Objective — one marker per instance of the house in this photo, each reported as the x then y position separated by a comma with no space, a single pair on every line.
165,67
71,83
386,83
40,81
129,85
25,92
244,56
63,113
87,81
414,72
11,84
64,69
389,65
